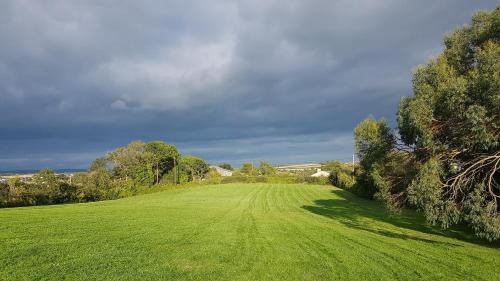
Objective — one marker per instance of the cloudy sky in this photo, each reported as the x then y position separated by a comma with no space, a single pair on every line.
234,81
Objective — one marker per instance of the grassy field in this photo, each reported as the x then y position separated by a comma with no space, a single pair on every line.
236,232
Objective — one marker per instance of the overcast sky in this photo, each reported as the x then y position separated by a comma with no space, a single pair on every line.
234,81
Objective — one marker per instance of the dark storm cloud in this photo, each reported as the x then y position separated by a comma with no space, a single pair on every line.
230,81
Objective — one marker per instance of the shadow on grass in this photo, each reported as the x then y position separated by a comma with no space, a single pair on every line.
350,210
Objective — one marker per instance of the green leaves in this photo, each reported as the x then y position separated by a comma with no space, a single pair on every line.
451,127
195,167
265,169
481,214
162,157
373,139
425,190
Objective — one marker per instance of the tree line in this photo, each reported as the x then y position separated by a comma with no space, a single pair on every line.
120,173
134,169
444,157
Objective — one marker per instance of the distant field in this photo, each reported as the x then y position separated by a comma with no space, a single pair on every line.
235,232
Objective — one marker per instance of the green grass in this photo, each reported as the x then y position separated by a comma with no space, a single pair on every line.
236,232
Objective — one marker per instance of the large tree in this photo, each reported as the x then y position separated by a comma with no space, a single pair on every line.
163,156
247,169
452,123
373,141
195,167
265,169
127,162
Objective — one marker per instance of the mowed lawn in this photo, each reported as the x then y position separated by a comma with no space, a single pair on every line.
236,232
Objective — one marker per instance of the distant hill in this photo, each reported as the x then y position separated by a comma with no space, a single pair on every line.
298,167
23,172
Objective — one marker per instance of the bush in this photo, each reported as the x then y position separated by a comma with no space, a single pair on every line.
4,193
66,193
316,180
342,180
213,177
281,179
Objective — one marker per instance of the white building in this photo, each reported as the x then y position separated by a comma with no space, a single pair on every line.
223,172
320,173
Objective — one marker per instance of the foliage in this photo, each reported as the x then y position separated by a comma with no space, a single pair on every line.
144,163
176,176
248,169
124,160
453,124
195,167
163,157
16,193
265,169
213,177
341,179
4,193
277,179
94,186
392,177
226,166
340,174
373,141
99,163
336,165
447,162
123,172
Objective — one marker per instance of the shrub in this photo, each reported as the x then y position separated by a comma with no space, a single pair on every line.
282,179
213,177
345,180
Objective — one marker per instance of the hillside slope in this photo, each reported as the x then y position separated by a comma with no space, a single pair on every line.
235,232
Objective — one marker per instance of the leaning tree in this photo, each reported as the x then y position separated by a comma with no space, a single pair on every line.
452,125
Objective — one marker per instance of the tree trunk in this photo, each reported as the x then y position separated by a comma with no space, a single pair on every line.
157,174
175,172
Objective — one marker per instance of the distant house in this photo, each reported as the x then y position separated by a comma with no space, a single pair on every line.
223,172
23,177
320,173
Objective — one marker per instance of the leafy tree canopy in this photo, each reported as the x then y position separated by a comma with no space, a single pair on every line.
247,169
226,166
265,169
163,156
195,167
447,160
453,123
373,140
